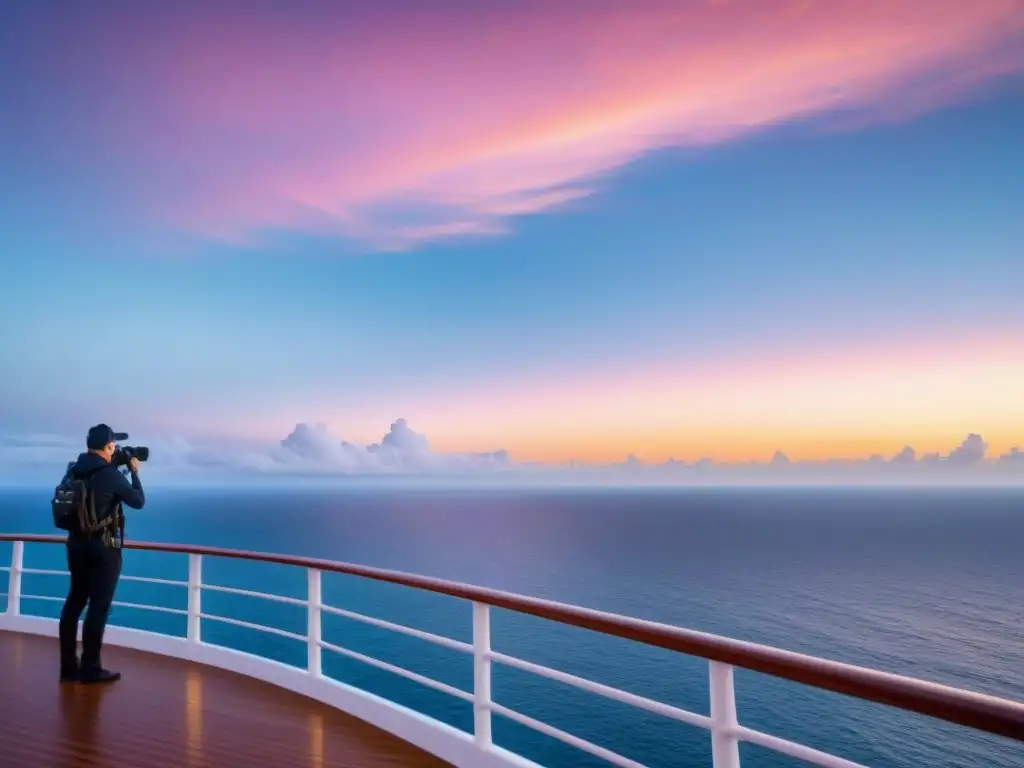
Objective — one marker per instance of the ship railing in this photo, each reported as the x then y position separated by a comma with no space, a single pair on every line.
974,710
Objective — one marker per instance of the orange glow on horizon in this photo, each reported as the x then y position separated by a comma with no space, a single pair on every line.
847,404
841,403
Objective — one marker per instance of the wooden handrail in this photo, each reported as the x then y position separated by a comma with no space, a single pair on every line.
975,710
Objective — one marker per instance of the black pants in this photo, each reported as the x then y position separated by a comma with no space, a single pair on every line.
95,569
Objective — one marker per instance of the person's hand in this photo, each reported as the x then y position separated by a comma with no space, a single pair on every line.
133,465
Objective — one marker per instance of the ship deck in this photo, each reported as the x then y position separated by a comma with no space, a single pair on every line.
186,701
166,712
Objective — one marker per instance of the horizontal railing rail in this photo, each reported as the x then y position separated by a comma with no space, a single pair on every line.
975,710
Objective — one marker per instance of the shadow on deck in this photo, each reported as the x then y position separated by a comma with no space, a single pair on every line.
167,712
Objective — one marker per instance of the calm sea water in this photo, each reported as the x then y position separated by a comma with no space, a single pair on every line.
926,583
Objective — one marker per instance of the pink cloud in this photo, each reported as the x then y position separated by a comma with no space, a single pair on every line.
402,122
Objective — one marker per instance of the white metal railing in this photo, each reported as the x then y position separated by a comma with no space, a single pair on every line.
725,730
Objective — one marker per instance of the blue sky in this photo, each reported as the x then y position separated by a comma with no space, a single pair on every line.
848,237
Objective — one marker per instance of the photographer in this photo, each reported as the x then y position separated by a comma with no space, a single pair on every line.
94,556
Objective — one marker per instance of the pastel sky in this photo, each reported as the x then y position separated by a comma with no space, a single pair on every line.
572,230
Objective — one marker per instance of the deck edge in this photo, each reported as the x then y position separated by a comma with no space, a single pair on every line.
431,735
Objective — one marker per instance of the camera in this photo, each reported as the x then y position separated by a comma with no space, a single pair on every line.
126,453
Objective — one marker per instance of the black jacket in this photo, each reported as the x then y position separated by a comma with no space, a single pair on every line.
109,487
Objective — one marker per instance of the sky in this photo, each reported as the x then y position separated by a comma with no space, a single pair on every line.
535,233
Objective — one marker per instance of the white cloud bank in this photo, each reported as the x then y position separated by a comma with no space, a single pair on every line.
310,452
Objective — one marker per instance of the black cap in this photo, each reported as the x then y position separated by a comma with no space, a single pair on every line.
100,435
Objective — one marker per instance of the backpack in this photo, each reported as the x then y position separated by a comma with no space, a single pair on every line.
73,504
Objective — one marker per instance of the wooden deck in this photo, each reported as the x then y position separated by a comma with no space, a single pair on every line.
165,712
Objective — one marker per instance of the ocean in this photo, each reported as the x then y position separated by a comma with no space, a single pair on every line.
927,583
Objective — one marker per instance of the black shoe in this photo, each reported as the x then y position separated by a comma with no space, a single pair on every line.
69,675
98,676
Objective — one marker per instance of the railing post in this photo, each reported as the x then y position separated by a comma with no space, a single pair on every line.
725,747
14,579
315,601
195,595
482,675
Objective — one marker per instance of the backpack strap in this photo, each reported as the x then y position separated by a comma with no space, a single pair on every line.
92,524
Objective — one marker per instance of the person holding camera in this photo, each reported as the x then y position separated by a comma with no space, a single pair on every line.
95,537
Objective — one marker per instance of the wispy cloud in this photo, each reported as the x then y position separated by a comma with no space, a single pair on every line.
234,120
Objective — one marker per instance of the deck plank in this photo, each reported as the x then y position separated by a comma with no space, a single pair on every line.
166,713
